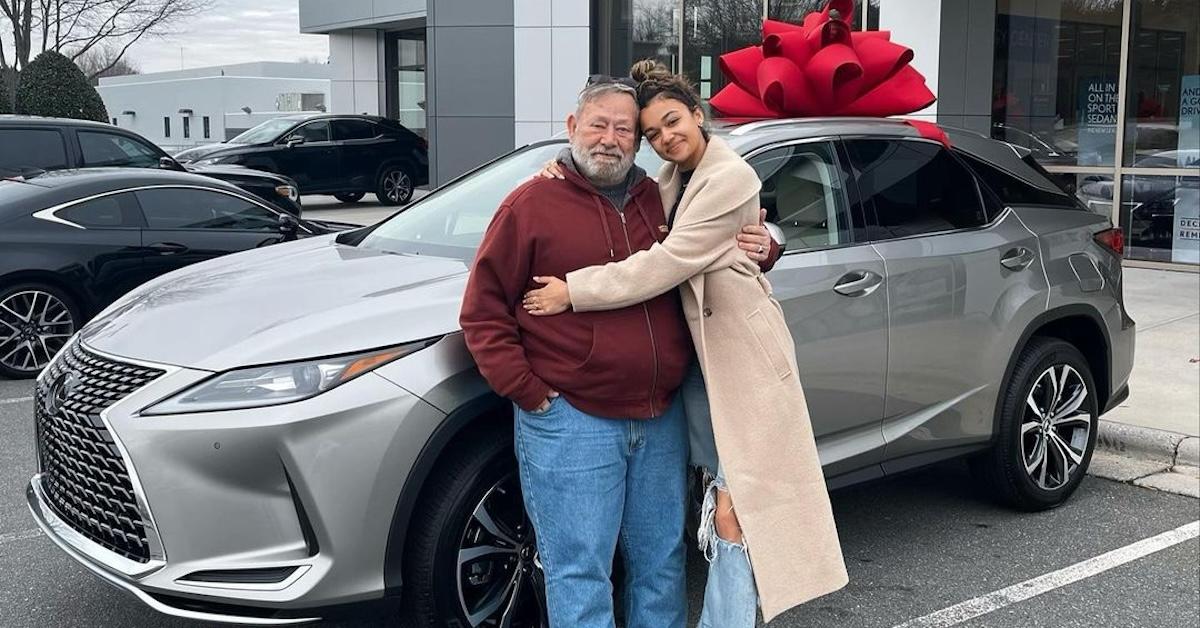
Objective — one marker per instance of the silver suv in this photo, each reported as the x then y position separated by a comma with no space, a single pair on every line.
276,435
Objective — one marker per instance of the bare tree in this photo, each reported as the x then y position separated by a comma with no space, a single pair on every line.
654,21
95,62
77,27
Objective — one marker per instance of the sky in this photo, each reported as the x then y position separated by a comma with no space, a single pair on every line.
233,31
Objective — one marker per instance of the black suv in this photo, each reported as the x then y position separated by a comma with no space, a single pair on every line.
30,144
343,155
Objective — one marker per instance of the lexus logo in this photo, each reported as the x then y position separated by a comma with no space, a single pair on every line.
60,391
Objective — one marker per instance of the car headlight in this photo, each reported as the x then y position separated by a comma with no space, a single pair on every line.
288,191
276,384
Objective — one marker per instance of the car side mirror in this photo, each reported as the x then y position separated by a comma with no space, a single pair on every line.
288,225
169,163
295,141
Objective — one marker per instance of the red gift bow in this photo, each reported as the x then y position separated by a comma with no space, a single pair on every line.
821,68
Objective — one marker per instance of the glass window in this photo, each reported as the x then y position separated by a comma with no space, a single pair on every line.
1055,78
187,127
405,81
313,132
803,194
655,34
1009,189
1163,97
451,221
112,211
268,131
1161,218
207,128
915,187
354,130
166,126
32,148
175,208
110,149
712,28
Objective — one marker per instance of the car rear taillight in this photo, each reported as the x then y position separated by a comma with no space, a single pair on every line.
1113,240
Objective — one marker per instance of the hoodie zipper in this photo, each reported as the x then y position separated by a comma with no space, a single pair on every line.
646,310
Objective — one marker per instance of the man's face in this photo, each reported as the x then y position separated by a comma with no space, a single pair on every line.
604,138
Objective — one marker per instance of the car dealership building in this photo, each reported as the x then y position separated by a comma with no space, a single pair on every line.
1099,90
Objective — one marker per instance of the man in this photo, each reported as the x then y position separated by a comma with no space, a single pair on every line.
601,439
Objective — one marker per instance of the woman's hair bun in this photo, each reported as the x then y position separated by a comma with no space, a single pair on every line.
649,70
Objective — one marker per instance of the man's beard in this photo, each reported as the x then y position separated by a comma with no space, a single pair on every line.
604,173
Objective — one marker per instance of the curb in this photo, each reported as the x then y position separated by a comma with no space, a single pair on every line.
1145,443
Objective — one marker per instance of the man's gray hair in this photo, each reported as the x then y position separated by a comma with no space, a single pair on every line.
595,92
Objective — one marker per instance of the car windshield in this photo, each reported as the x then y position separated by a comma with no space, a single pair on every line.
451,221
265,132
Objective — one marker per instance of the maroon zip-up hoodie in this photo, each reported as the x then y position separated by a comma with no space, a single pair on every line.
624,363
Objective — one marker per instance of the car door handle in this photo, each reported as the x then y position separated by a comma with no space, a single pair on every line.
1017,259
167,248
858,283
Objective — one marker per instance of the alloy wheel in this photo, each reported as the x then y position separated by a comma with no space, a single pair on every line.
1055,427
397,186
34,326
500,581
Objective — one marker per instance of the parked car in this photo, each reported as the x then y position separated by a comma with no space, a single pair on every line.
29,142
343,155
73,241
308,428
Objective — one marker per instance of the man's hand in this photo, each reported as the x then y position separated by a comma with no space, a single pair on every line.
755,240
545,405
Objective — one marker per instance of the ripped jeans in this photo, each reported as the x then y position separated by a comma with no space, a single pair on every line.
730,596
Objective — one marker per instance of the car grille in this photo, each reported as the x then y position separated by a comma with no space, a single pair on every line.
83,474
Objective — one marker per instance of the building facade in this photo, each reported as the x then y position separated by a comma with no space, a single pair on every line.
1105,93
185,108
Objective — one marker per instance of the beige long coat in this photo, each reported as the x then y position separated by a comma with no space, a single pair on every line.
760,419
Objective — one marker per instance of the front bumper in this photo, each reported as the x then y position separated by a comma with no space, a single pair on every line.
309,487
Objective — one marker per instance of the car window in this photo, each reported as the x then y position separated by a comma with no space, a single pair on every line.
451,221
1012,190
313,132
32,148
178,208
110,149
915,188
112,212
803,194
354,130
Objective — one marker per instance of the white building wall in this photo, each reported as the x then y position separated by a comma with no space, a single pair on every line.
356,60
917,24
551,63
208,93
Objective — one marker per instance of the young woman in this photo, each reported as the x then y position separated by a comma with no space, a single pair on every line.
767,528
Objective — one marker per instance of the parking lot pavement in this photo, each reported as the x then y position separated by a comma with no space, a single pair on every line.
368,211
915,545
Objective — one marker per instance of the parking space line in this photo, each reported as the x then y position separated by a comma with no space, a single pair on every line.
13,537
5,402
1033,587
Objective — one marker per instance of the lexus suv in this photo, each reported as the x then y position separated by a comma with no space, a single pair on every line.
273,435
343,155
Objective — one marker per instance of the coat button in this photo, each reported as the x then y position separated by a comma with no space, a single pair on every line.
707,312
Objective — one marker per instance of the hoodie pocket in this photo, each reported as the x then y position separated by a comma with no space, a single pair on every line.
770,342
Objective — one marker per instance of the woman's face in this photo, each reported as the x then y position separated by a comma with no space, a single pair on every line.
673,131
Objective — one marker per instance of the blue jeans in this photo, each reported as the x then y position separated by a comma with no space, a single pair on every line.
592,484
730,596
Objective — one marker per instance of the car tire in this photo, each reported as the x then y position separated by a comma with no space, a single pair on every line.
395,186
470,544
1039,457
350,197
59,318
